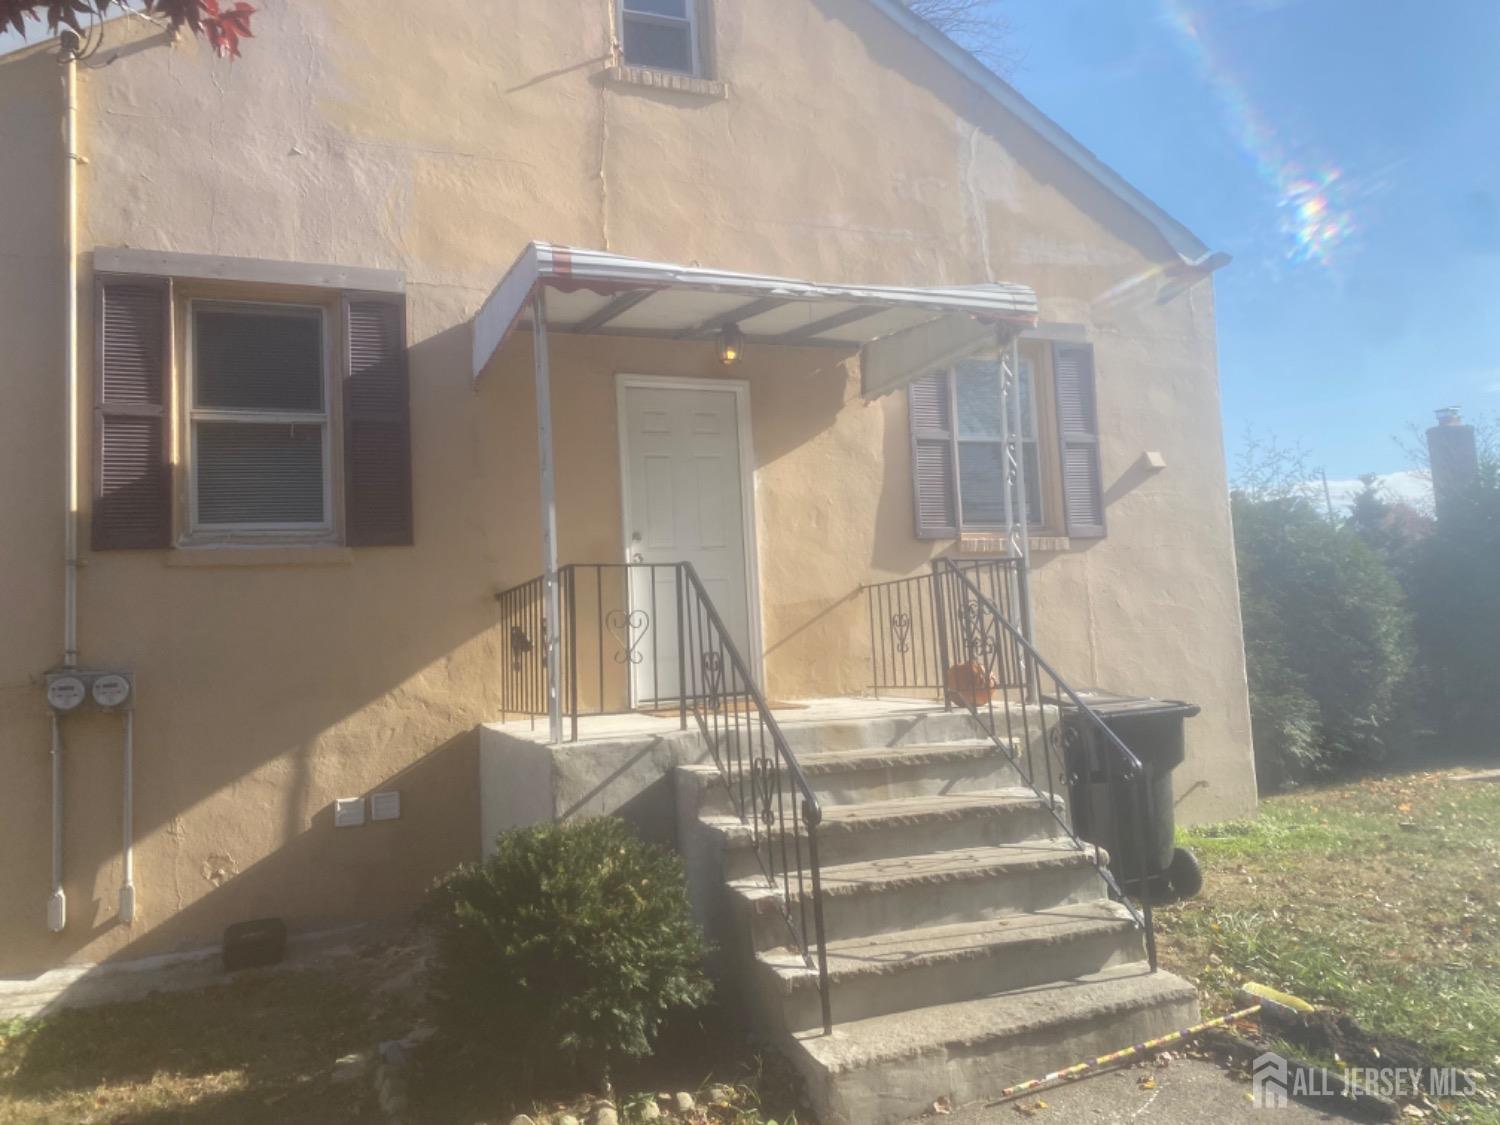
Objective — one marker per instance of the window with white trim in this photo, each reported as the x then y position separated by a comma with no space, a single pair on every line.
660,35
260,446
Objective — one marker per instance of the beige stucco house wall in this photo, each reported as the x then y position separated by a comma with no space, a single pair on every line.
355,133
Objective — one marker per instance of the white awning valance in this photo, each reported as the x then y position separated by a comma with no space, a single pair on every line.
901,332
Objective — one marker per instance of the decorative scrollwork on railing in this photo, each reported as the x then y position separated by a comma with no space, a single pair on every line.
764,776
630,629
713,680
901,631
977,640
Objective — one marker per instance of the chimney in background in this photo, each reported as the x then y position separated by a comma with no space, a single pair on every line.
1455,462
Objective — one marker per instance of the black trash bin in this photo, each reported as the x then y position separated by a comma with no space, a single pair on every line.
1106,808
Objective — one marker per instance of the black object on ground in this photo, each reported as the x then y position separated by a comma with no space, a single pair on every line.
1105,808
249,945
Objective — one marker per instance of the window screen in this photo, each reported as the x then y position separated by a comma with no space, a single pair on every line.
260,417
659,34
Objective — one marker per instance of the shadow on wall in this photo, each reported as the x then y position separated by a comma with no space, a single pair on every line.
333,679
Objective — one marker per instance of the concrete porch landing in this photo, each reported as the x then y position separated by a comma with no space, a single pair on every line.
599,728
621,765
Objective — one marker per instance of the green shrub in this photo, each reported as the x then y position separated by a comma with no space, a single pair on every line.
1456,596
1327,638
567,946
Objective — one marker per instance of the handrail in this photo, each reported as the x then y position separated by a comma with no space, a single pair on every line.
714,701
744,673
1133,772
713,681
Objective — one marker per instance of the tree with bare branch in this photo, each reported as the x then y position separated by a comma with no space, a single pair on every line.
976,25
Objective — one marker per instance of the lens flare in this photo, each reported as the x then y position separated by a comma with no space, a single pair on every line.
1313,203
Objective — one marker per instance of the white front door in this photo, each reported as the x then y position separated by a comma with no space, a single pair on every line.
685,501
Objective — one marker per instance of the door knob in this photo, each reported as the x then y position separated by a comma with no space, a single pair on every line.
637,557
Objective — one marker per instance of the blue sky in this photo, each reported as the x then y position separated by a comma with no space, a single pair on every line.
1399,311
1217,109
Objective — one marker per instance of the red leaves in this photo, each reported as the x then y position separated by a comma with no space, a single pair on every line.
225,28
56,13
224,25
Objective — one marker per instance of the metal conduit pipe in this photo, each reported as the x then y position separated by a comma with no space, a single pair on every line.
57,903
127,889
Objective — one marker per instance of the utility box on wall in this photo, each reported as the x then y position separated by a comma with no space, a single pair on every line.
69,689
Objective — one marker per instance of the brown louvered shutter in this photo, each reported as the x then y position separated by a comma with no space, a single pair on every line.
1078,440
377,422
132,466
929,404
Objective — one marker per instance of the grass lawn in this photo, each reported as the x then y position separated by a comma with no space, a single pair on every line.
261,1048
1380,897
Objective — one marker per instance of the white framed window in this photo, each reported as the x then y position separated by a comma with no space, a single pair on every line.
660,35
260,435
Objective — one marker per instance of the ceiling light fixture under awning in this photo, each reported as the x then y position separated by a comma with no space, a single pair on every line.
901,332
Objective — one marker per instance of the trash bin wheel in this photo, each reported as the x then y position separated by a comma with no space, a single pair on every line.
1184,875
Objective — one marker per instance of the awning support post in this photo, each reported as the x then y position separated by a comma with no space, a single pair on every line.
552,634
1018,522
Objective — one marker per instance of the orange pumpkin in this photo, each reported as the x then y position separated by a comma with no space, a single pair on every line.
970,684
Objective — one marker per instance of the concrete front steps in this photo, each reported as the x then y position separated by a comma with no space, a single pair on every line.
971,943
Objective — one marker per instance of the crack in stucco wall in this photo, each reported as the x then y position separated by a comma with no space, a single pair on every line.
973,202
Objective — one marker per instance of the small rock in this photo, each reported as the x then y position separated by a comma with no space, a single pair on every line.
418,1035
649,1111
521,1119
604,1114
720,1095
351,1068
566,1119
683,1102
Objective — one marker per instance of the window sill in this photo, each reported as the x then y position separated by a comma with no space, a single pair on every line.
995,545
668,80
271,554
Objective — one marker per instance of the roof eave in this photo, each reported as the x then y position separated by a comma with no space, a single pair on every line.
1188,246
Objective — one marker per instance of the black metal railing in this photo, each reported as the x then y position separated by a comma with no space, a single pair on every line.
909,631
647,637
1041,724
617,642
769,791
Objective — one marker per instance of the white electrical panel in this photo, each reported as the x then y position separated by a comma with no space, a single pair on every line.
385,806
348,812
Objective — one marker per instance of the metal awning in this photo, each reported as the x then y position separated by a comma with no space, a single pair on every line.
900,331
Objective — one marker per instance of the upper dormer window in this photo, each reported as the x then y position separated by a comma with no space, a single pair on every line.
660,35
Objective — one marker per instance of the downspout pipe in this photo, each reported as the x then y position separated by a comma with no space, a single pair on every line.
70,48
57,903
